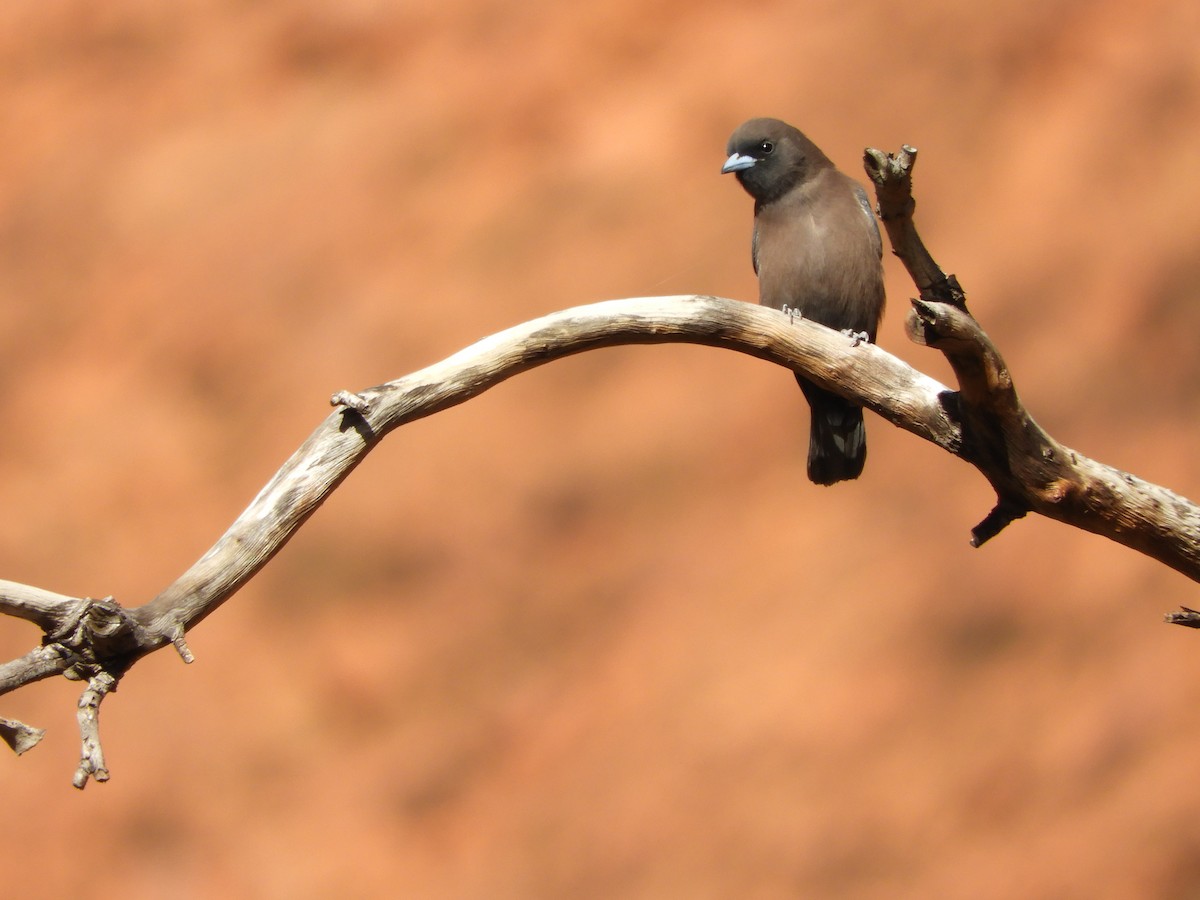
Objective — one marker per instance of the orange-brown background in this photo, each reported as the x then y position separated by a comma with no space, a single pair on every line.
592,634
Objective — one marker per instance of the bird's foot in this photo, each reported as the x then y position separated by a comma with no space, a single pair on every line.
793,313
856,337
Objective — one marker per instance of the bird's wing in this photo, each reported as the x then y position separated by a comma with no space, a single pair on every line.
754,247
861,196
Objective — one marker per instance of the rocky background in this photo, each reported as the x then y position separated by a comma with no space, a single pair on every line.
591,635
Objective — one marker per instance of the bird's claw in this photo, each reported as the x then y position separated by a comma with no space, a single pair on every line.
856,337
793,313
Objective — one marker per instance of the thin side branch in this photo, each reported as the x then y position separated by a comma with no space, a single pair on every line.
19,736
91,760
891,174
1186,616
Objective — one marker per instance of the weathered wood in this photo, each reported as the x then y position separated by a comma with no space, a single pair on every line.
982,422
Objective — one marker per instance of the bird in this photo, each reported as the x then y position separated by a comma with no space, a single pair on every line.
817,253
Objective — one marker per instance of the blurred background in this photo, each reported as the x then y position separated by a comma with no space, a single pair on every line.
592,634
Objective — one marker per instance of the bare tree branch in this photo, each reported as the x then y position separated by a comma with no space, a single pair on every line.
1185,616
982,422
1030,471
45,609
892,176
91,760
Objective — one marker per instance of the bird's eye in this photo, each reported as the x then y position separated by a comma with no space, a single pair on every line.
766,147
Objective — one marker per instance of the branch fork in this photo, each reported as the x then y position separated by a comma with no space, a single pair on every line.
93,641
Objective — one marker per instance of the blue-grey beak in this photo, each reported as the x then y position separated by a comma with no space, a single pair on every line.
737,162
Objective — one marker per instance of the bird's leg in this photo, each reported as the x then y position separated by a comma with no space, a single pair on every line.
793,313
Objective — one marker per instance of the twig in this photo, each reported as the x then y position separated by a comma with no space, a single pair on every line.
1187,617
91,760
19,736
891,174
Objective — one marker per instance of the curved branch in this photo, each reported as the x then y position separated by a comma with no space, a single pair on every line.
983,423
900,393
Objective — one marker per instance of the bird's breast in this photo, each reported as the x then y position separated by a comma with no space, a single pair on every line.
816,253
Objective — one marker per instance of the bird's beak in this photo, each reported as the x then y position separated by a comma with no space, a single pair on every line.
737,162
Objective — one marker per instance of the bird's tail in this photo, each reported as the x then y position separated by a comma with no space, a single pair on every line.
837,443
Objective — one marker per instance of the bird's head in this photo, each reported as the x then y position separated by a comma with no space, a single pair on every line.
770,157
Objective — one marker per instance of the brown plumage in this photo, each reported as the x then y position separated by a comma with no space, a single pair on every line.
816,250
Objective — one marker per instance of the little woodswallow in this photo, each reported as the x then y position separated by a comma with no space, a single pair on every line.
816,251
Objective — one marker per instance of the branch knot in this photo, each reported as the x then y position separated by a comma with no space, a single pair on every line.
98,637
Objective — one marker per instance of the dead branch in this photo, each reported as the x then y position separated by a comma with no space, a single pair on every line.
982,422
